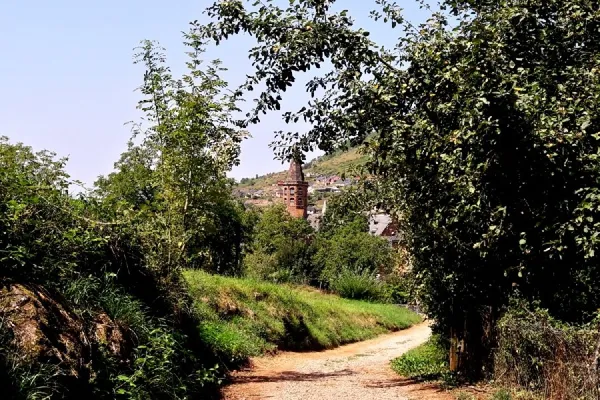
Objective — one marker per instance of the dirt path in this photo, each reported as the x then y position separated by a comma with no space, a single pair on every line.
356,371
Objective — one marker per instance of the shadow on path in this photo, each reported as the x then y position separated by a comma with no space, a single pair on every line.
293,376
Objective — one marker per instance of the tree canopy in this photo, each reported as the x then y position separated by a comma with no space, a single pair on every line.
486,137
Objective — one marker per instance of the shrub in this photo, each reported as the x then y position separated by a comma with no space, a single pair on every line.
398,288
281,249
348,248
358,286
537,352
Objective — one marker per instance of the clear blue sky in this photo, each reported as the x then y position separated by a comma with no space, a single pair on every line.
67,80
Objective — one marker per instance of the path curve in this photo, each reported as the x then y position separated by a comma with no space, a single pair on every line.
356,371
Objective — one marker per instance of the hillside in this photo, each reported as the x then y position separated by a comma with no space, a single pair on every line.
339,163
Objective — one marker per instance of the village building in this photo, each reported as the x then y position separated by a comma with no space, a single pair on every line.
295,191
383,225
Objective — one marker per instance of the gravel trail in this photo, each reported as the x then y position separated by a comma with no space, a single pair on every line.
356,371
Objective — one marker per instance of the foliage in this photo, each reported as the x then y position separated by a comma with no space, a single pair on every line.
281,248
155,372
399,287
343,256
344,209
21,380
173,175
428,361
245,317
486,126
357,285
118,251
541,354
351,249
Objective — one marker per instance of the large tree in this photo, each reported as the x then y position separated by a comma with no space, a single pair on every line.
486,138
173,175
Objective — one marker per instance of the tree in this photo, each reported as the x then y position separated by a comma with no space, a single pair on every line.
281,248
173,175
350,248
486,142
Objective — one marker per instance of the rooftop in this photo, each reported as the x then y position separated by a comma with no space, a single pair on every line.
295,173
378,223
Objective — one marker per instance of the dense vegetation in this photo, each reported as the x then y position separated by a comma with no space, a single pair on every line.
481,130
342,257
486,141
103,267
243,317
93,302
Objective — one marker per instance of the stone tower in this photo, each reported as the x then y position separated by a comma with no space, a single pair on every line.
295,190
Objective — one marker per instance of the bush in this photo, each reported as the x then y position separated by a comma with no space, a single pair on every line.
429,361
358,286
537,352
350,248
281,250
398,288
65,245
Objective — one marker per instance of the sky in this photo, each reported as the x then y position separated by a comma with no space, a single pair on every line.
67,80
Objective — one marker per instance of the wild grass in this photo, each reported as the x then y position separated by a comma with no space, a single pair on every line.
358,286
244,317
425,362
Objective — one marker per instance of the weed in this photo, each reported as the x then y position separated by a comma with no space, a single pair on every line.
358,286
464,396
426,362
21,379
502,394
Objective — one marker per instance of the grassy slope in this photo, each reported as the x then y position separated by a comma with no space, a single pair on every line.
243,318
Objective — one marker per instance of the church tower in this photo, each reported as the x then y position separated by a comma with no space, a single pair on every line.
295,190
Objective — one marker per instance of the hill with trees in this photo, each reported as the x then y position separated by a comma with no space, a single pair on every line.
341,162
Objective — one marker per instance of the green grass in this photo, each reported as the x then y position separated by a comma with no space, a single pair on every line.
426,362
243,317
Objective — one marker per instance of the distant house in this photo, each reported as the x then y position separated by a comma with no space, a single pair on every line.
383,225
327,189
333,179
253,194
344,183
314,220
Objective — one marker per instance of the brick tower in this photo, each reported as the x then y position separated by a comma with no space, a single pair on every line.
295,190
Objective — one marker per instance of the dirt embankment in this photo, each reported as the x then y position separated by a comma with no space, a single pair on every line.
41,328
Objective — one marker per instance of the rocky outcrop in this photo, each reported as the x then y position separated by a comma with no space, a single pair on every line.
111,336
44,329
